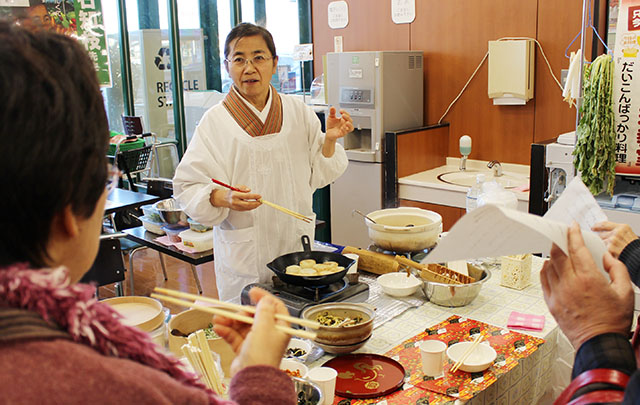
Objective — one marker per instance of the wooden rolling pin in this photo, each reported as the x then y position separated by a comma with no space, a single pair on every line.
373,262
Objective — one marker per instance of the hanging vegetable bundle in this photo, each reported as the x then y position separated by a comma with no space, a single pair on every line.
596,140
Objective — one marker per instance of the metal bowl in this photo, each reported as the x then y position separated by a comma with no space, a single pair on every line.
342,335
455,295
308,392
171,212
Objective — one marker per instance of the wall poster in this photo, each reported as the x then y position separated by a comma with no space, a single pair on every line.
80,19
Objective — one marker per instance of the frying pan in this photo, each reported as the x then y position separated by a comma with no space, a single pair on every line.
279,266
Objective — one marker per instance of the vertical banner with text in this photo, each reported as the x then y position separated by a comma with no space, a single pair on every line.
80,19
90,32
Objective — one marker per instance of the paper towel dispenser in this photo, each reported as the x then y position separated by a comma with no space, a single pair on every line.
511,71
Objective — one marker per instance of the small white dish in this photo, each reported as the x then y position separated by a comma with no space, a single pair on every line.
290,366
398,284
298,349
480,359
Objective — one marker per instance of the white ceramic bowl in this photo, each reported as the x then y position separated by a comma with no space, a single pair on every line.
404,229
293,365
480,359
300,344
398,284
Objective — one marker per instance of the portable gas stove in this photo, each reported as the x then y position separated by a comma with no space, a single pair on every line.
297,298
416,256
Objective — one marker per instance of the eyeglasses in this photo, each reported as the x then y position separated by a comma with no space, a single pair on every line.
257,61
113,177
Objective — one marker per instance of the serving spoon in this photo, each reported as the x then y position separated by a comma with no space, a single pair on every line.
364,215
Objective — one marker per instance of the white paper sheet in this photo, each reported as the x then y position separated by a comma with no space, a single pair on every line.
492,231
576,203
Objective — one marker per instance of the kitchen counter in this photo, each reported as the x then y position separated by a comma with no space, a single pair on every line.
426,187
532,381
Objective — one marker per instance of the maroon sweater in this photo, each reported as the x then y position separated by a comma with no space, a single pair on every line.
59,371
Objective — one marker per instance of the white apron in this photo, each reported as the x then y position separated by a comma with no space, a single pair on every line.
241,255
284,167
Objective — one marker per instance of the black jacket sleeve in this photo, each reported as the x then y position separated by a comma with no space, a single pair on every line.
630,256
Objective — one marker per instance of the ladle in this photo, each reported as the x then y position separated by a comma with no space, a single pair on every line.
360,213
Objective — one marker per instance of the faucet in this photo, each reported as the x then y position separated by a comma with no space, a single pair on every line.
465,150
497,168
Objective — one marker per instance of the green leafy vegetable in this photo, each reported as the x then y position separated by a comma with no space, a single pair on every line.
596,140
209,333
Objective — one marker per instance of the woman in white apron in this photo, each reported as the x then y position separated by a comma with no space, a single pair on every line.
266,144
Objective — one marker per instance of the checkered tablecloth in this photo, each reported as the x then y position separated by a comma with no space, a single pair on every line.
527,382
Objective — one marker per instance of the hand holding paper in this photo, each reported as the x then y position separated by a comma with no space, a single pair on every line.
492,231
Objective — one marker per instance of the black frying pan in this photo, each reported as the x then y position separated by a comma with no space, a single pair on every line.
279,266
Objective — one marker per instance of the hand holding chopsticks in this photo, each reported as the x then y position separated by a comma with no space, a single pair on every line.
467,353
272,205
226,309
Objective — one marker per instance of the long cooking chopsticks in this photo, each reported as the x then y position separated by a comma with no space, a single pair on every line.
232,315
467,353
237,307
272,205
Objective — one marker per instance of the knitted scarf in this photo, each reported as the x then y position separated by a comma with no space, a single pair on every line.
73,307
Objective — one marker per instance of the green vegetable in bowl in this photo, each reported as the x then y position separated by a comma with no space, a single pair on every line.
209,333
596,139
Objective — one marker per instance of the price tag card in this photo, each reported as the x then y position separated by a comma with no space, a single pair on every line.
303,52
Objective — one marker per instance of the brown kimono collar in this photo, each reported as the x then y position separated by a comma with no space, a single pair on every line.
248,120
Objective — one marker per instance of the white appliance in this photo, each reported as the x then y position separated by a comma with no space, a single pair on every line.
382,91
559,163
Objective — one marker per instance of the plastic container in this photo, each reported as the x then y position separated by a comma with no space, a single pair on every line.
151,213
152,226
493,193
200,241
173,233
159,335
198,227
474,192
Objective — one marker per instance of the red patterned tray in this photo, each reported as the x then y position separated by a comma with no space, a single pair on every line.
510,346
366,375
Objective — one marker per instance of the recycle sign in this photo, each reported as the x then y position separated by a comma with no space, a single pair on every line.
163,61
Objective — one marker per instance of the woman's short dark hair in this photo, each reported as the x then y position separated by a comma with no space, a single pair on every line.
53,137
249,30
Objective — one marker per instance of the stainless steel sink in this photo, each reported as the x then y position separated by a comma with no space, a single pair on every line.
467,178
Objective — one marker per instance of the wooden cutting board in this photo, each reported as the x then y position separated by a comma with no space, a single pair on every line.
373,262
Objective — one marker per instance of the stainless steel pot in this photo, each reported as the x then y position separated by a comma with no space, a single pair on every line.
404,229
455,295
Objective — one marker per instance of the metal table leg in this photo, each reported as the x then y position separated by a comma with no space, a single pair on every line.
119,289
133,252
164,269
195,275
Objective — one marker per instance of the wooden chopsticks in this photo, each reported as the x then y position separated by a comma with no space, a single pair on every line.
467,353
287,211
229,307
